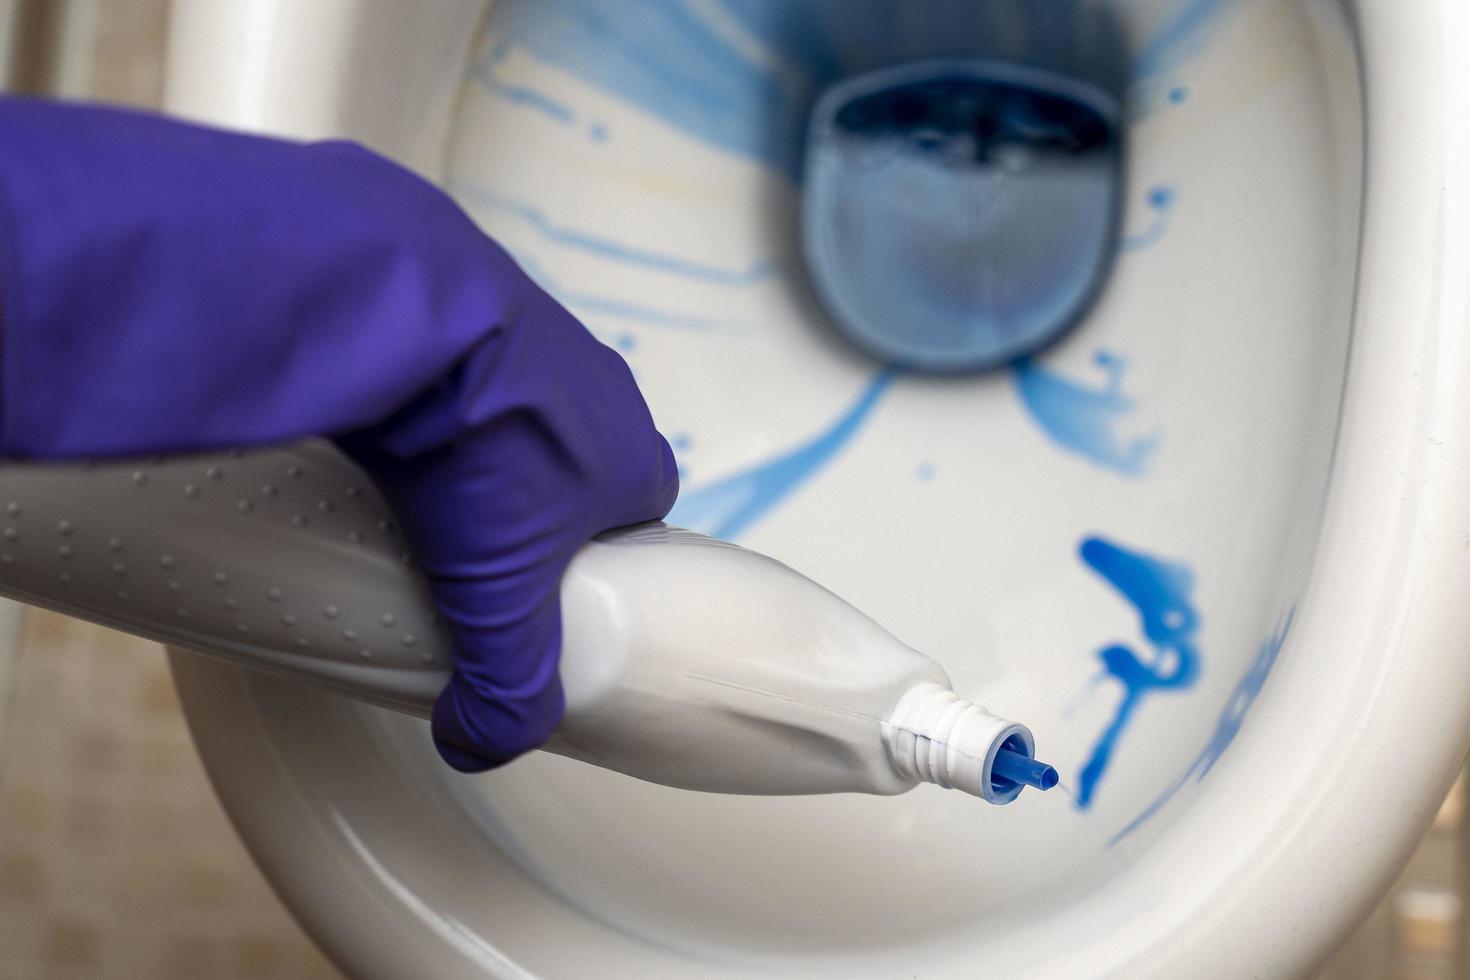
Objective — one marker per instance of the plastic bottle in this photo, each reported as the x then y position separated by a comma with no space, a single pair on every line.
686,661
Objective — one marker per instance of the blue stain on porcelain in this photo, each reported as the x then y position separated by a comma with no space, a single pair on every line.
924,472
1182,36
1086,421
484,72
696,68
1161,197
476,198
1150,96
730,506
591,304
739,75
1161,592
1232,716
800,37
1160,201
667,59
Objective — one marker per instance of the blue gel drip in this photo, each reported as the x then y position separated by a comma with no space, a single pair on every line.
726,508
1162,594
1087,420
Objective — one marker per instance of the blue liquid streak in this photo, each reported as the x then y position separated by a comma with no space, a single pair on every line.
589,303
1161,203
728,507
665,59
1160,591
1083,420
484,73
1237,706
1180,38
478,198
693,70
592,303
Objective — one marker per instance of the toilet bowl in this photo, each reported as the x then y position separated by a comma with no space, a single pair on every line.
1212,544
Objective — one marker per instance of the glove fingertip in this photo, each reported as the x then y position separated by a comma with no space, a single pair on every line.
461,761
669,485
474,733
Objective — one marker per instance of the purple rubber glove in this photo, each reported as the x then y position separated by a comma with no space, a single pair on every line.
171,288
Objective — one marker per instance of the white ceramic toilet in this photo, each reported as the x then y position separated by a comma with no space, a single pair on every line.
1213,546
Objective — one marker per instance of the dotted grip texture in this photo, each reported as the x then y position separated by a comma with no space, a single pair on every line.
282,559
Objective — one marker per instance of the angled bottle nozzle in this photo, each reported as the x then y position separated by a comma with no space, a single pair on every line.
936,736
1015,766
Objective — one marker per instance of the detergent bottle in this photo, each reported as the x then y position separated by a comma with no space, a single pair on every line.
686,660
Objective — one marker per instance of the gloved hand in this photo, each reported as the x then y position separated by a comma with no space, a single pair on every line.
171,288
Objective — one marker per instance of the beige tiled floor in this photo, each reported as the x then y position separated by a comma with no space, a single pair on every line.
116,860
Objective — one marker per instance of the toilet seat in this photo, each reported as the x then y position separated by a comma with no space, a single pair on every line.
400,869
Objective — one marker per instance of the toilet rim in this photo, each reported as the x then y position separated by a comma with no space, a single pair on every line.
1374,638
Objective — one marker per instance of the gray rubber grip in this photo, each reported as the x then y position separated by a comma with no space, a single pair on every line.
282,559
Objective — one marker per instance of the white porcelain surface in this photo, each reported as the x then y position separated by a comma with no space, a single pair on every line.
1314,493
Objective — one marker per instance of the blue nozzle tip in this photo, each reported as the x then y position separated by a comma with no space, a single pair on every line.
1017,767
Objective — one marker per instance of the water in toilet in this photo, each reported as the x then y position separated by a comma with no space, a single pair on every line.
960,213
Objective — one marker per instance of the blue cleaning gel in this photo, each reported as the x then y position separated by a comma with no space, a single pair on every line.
728,507
1160,591
485,72
1182,35
477,199
593,304
1160,202
1086,420
1227,726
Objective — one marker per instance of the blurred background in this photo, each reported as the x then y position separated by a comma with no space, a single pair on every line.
116,860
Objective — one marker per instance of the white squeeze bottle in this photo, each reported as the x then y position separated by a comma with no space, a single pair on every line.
686,661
